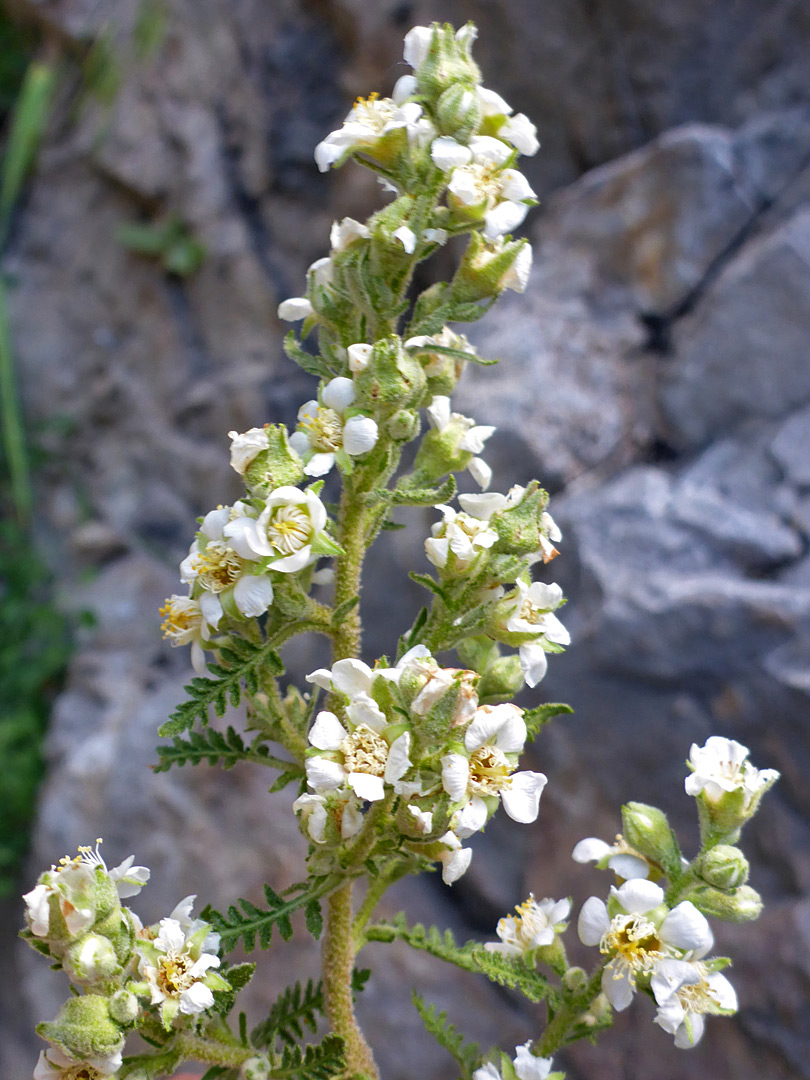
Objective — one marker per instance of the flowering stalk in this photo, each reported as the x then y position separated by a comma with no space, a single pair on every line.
411,756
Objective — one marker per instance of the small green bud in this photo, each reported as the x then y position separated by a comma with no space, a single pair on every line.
393,379
743,904
724,866
648,832
276,466
488,268
124,1007
91,959
523,530
458,112
501,680
85,1028
574,979
448,61
255,1068
404,425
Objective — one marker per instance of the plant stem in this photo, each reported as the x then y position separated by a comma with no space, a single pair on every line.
555,1034
212,1051
338,943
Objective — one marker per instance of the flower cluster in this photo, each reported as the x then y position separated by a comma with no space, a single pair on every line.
126,975
415,738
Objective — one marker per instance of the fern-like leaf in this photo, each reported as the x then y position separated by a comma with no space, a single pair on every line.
239,664
297,1008
512,972
217,747
467,1055
539,716
315,1062
151,1066
247,922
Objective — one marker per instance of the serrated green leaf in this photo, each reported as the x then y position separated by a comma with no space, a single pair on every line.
315,1062
537,717
313,365
314,918
293,1010
250,922
466,1055
427,581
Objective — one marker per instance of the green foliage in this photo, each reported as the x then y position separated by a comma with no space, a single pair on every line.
16,46
151,1066
313,1062
313,365
467,1055
539,716
293,1011
240,662
238,976
170,241
252,921
223,748
35,651
512,972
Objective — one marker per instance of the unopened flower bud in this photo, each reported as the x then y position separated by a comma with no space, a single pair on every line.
502,679
648,832
522,529
488,268
724,866
255,1068
276,466
392,380
91,959
574,979
440,57
743,904
124,1007
404,425
458,112
85,1029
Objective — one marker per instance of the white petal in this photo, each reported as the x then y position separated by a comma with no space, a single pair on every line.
253,594
215,520
455,864
196,999
351,821
352,677
324,775
501,725
590,850
687,928
211,608
439,411
437,551
593,921
291,564
435,236
722,990
504,218
327,733
417,44
322,677
359,435
486,148
399,760
617,986
448,154
338,394
483,506
295,309
493,104
530,1067
690,1032
406,237
366,786
480,472
359,356
629,866
404,87
471,818
365,710
515,186
455,775
521,800
533,662
637,897
319,464
521,133
517,276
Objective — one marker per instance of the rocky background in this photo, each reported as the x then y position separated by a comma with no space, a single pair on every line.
655,376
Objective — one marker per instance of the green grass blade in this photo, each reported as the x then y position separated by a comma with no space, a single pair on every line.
25,135
13,434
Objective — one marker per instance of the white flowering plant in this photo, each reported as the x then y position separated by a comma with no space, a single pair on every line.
393,765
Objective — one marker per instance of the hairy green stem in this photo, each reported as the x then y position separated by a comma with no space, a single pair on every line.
212,1051
556,1032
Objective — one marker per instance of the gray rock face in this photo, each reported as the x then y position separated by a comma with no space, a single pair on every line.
654,376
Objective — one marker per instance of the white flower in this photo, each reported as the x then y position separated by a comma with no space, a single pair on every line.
448,154
527,1066
455,859
422,819
360,757
492,104
295,309
533,614
354,679
636,942
314,813
184,624
721,766
484,506
521,133
686,990
214,566
504,193
176,968
493,741
321,272
463,535
471,439
326,434
246,447
621,859
55,1064
369,120
346,231
417,45
359,356
533,925
289,530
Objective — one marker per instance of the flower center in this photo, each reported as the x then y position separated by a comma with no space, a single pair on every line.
372,113
364,751
635,939
489,771
324,430
173,974
289,529
697,997
218,567
486,176
78,1072
179,617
